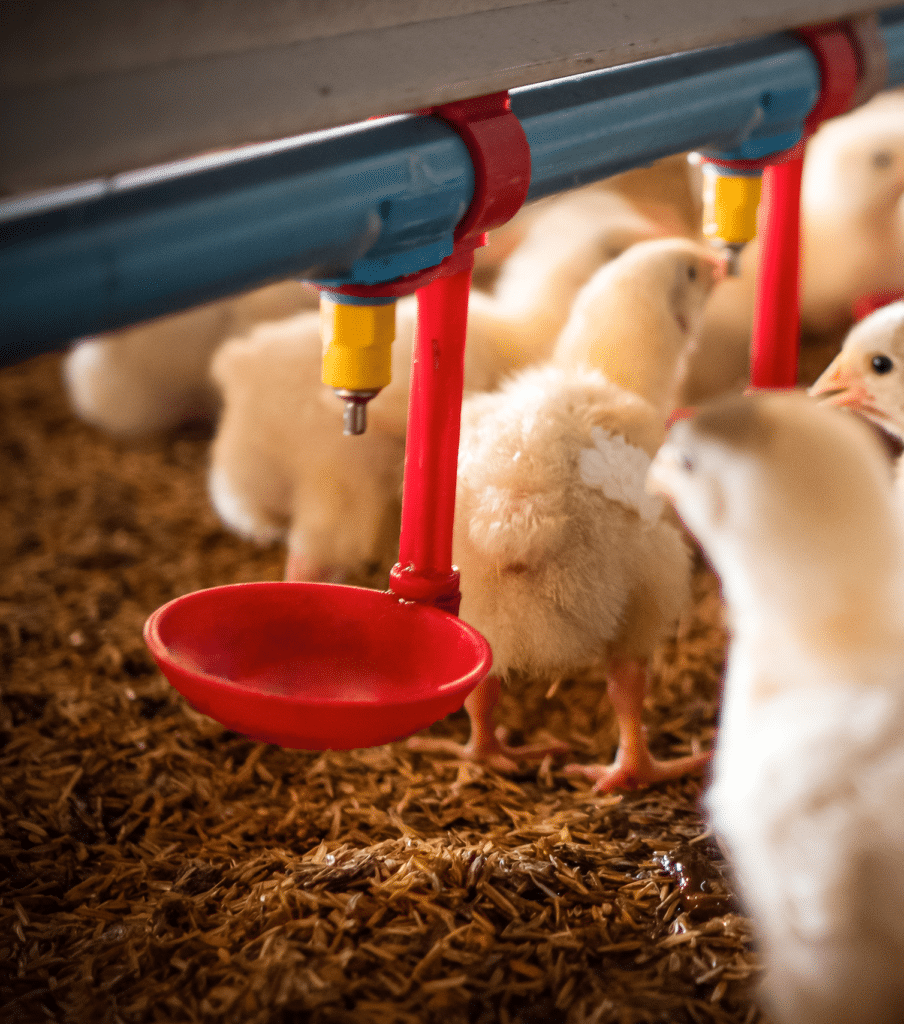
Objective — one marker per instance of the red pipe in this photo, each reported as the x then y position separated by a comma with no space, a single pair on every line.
776,320
424,571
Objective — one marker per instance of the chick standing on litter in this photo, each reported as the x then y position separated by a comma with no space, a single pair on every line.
565,562
792,502
281,467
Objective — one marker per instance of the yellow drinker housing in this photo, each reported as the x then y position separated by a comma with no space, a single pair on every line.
357,351
731,199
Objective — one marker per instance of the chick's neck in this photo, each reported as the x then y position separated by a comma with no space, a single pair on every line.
831,613
647,368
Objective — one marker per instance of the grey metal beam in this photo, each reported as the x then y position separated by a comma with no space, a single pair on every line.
102,87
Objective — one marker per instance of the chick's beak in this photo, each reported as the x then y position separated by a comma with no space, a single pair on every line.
841,385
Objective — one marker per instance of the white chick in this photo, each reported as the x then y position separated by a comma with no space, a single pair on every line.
792,503
154,376
852,244
565,563
852,214
867,377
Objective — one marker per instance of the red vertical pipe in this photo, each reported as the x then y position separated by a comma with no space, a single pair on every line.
424,571
776,317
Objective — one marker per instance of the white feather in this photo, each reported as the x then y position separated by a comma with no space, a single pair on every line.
619,470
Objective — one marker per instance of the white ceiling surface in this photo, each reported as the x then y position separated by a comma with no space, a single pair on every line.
97,88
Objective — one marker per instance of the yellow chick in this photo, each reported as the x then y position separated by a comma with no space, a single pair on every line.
565,562
566,242
791,500
852,213
281,468
867,375
640,317
154,376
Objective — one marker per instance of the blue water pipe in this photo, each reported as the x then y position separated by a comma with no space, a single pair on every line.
372,201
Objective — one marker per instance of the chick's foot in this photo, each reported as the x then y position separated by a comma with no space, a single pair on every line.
634,766
487,745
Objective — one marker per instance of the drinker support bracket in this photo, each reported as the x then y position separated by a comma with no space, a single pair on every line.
320,666
748,195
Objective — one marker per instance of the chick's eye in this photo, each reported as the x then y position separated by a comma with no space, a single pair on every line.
882,364
882,159
692,272
687,464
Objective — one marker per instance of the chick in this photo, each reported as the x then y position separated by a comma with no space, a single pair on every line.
154,376
566,242
852,214
565,563
638,320
867,375
792,503
281,468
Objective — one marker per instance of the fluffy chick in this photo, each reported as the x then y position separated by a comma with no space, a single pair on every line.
851,208
565,563
792,503
280,467
154,376
567,241
867,375
639,318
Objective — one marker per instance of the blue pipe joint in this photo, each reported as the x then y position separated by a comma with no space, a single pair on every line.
777,123
407,237
380,268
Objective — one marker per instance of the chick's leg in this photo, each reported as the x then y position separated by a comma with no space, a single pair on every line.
634,765
486,743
